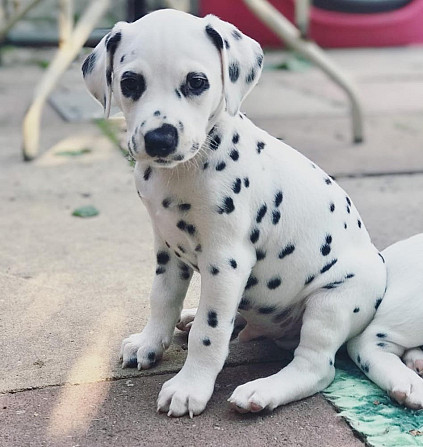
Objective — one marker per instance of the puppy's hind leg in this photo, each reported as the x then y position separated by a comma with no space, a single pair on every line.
326,326
379,358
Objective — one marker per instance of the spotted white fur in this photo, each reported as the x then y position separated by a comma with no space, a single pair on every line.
271,234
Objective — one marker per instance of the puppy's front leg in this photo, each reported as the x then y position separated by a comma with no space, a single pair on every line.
167,295
222,283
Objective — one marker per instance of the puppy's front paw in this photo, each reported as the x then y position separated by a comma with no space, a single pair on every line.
253,396
142,351
184,394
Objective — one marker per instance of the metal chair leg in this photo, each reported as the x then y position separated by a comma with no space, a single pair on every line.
292,37
71,44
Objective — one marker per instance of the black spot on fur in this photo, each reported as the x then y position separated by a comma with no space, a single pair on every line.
333,285
122,58
276,215
358,359
289,249
147,173
212,318
234,71
181,249
234,154
89,64
215,142
235,138
348,200
348,209
160,270
254,236
309,280
381,344
233,263
198,248
182,225
329,266
214,270
250,76
378,302
244,304
220,166
266,310
381,335
328,181
236,34
274,283
332,207
345,225
215,37
166,202
236,187
113,42
261,213
260,146
108,77
260,254
178,93
205,165
184,206
356,310
151,356
206,341
278,198
227,207
350,275
260,60
251,282
246,182
227,46
162,257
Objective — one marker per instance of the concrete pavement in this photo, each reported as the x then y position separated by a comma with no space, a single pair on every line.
72,288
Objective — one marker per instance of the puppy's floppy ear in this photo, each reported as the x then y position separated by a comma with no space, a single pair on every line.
97,68
241,58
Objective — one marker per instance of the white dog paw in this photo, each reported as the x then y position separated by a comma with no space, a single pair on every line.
413,358
253,396
186,320
141,351
184,395
409,392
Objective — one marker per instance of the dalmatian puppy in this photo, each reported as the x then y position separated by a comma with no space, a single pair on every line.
396,330
271,234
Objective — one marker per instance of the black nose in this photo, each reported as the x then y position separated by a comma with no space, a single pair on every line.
162,141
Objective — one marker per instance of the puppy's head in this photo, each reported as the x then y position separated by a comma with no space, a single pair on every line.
172,75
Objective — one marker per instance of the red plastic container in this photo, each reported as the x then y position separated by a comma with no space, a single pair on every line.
329,29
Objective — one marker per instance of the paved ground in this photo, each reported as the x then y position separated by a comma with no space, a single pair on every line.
72,288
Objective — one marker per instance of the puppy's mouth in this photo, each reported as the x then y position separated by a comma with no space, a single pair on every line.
172,160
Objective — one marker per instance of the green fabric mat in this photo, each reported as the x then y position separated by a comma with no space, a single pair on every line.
371,412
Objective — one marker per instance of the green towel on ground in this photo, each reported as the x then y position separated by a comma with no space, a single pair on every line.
371,412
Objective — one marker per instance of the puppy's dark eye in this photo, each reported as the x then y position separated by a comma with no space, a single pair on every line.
132,85
196,83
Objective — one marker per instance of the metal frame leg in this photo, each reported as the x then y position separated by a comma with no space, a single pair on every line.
292,37
72,40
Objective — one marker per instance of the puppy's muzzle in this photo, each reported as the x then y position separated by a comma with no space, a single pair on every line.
162,141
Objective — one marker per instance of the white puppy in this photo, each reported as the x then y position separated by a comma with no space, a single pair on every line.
272,235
